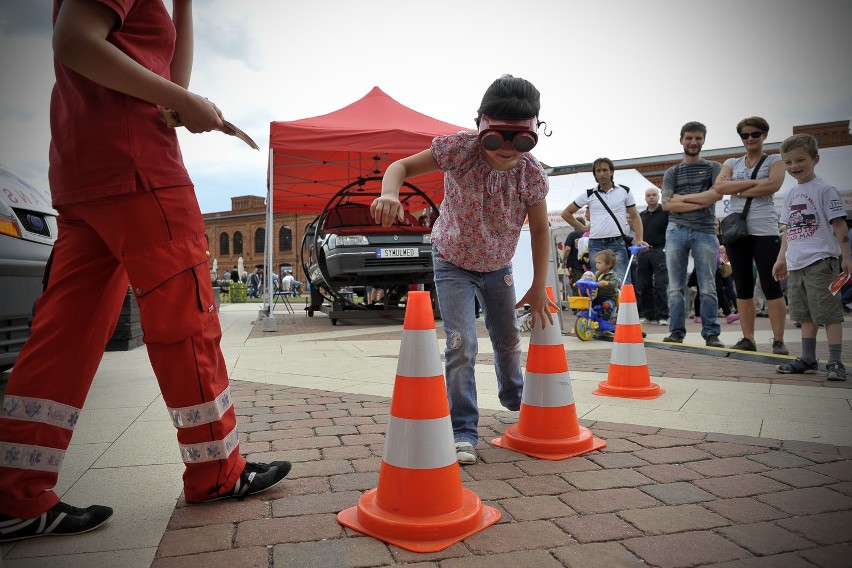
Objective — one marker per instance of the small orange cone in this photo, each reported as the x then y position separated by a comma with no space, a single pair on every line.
419,503
628,376
547,426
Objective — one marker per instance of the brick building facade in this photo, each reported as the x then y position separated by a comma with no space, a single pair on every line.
241,232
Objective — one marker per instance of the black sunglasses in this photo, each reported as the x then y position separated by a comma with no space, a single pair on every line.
755,134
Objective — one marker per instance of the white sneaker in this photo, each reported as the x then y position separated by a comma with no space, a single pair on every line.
643,321
663,322
465,453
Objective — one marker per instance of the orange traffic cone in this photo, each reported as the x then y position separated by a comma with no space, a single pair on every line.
628,376
419,503
547,425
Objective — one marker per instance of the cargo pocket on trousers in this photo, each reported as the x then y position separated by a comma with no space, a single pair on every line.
171,283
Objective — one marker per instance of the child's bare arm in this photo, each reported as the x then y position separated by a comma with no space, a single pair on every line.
841,233
536,296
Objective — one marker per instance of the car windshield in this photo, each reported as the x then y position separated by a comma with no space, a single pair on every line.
349,215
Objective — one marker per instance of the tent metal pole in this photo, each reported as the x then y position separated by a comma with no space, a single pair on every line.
269,322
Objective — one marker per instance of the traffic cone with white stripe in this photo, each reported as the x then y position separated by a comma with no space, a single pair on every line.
547,426
628,376
419,503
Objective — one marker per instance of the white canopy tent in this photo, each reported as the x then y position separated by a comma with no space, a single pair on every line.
563,190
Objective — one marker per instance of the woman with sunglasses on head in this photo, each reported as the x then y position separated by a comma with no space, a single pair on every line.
763,242
491,184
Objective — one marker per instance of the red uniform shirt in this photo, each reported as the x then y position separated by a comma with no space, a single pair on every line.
103,142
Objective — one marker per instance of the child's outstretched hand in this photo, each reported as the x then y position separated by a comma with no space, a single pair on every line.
385,209
539,304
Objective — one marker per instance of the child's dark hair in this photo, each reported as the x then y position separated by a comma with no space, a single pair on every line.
607,256
510,98
804,142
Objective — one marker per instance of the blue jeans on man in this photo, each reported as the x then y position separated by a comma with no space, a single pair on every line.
456,288
680,240
616,245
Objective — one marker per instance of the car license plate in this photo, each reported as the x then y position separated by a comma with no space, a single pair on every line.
412,252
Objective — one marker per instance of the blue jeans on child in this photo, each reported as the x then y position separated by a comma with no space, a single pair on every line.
680,240
456,288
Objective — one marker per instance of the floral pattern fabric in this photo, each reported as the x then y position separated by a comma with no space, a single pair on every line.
483,209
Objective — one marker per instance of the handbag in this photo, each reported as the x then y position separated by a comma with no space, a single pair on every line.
734,227
628,241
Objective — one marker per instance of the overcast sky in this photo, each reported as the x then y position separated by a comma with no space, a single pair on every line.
618,78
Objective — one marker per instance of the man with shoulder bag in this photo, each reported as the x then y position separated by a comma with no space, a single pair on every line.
609,205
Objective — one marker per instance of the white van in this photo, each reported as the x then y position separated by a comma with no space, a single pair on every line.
27,233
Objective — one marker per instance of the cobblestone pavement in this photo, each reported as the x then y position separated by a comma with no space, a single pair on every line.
652,497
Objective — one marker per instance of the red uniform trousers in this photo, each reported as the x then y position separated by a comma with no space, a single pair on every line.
156,238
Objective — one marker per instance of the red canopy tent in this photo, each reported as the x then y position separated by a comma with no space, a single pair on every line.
313,158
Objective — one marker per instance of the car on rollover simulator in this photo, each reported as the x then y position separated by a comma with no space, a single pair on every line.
345,250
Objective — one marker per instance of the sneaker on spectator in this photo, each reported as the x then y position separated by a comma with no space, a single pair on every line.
797,366
696,319
61,520
778,347
465,453
836,371
674,337
732,318
643,321
255,478
663,322
762,313
745,344
713,341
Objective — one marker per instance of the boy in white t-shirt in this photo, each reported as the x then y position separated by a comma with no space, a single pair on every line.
815,249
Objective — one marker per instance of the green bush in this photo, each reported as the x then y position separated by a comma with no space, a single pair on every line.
237,292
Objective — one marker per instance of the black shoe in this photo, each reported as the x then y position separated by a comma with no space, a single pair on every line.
256,478
778,347
61,520
713,341
745,344
673,338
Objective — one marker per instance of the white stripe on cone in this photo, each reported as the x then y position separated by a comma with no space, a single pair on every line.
419,444
550,335
628,314
418,354
548,390
632,354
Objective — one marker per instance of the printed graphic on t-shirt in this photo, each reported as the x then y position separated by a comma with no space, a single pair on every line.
804,221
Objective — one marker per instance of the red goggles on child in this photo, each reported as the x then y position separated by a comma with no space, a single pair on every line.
521,133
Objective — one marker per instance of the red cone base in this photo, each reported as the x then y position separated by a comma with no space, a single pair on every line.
419,534
648,392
